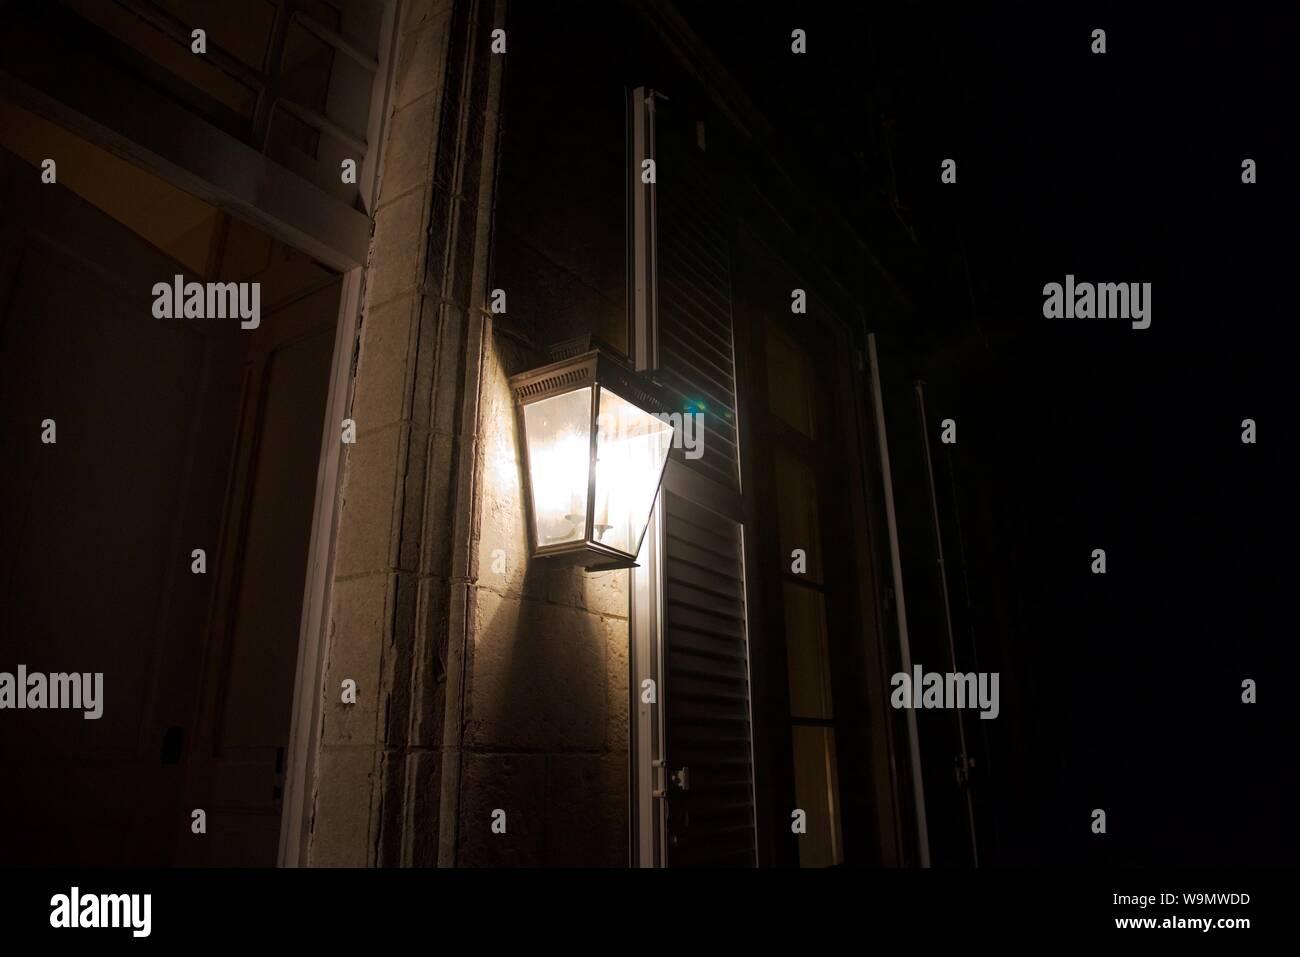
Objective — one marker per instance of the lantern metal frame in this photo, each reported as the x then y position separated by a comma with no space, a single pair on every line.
579,364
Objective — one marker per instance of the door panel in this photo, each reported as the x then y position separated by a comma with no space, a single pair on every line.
242,728
172,435
98,527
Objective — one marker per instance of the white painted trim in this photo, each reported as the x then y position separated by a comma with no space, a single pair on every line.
645,631
646,815
313,637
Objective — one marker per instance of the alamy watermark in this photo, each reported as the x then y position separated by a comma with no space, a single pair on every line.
37,691
1106,300
948,689
179,299
688,429
75,909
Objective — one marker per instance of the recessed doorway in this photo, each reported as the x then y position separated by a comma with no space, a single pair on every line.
174,437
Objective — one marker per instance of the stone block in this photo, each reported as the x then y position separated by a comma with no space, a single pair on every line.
446,410
368,517
429,687
503,562
617,682
516,784
433,548
423,799
502,555
341,832
606,593
547,301
397,249
536,676
417,14
401,660
383,386
413,491
358,631
408,156
421,57
424,352
586,810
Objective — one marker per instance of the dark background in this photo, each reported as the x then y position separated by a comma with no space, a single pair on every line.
1122,691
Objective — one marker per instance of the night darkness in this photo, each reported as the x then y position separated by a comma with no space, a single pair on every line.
1079,433
1120,691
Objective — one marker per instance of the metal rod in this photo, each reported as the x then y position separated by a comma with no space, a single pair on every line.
905,651
947,609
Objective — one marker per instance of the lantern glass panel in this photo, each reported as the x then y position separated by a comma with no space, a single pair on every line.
558,431
631,447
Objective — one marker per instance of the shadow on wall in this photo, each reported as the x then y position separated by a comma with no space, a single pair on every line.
546,690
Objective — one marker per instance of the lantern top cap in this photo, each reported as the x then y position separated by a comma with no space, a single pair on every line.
587,361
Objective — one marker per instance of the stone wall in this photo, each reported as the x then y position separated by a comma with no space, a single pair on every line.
546,697
379,777
485,681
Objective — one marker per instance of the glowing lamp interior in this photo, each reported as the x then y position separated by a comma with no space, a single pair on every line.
608,503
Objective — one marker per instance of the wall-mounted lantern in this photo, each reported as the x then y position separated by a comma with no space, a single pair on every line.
594,456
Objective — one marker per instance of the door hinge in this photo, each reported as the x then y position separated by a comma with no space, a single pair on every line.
680,779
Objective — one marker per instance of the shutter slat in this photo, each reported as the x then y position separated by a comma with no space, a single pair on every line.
706,714
706,657
696,356
703,563
716,386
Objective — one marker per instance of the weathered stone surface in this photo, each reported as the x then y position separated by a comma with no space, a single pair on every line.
397,249
548,669
410,148
460,286
358,627
503,563
423,793
545,693
432,549
605,593
389,807
368,516
617,679
425,348
549,303
400,662
429,685
418,13
537,676
383,385
565,584
341,834
586,810
420,55
449,355
516,784
413,494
